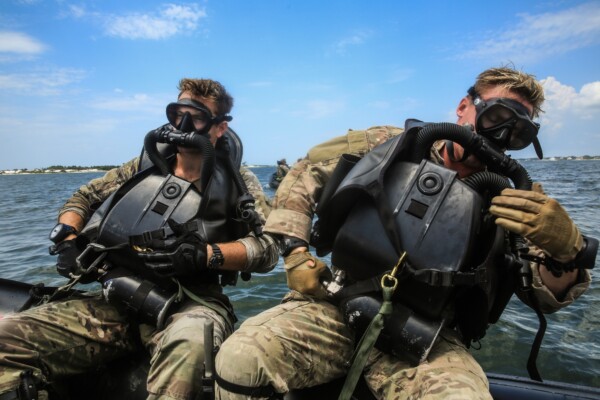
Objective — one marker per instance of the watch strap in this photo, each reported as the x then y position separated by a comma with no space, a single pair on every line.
217,259
61,231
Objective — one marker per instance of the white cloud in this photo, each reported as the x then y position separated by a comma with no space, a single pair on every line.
589,98
171,20
20,43
77,11
42,83
561,98
571,119
540,36
356,39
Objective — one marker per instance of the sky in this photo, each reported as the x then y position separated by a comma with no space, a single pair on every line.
82,82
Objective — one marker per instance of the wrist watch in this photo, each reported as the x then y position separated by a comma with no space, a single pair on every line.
60,232
216,260
289,243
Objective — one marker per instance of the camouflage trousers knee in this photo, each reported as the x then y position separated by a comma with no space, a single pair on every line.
304,342
70,337
299,343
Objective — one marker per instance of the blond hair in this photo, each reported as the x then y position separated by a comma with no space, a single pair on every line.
518,82
209,89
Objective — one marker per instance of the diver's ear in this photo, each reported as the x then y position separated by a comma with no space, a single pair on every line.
463,107
222,128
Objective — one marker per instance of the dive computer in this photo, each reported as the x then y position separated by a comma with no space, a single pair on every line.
61,231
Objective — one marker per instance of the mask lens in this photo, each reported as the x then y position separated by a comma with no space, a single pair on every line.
177,115
510,128
494,116
188,116
523,134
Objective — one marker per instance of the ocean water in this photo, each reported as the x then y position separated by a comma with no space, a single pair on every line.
571,348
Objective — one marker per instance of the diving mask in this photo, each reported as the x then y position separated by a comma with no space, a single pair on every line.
188,115
505,122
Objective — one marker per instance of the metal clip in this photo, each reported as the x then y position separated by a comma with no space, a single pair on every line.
391,277
91,247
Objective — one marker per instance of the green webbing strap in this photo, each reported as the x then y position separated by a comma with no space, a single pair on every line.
359,358
366,343
223,313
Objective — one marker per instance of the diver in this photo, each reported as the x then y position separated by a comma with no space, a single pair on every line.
163,234
431,230
282,169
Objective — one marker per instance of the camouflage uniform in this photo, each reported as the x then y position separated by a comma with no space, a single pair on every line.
304,342
74,336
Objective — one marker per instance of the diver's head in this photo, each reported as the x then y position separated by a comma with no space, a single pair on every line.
501,107
202,107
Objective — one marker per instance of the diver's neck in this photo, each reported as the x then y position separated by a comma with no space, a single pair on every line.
463,169
188,166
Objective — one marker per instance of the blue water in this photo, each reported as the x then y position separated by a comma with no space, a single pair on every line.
571,348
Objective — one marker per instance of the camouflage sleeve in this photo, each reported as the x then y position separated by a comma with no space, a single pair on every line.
262,202
295,202
262,253
89,196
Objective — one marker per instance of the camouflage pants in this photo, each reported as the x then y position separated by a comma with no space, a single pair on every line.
303,342
64,338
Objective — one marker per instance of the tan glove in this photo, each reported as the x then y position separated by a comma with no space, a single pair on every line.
304,273
540,219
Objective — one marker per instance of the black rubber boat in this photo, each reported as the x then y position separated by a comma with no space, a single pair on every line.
125,379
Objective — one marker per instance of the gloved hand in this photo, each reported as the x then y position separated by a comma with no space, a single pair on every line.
304,273
66,263
183,258
540,219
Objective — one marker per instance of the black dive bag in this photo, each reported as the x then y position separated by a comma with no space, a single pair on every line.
155,209
459,268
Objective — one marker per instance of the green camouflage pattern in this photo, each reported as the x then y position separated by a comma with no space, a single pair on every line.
295,201
304,342
450,373
262,204
299,343
70,337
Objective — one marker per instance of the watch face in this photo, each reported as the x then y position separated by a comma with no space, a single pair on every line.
55,232
61,231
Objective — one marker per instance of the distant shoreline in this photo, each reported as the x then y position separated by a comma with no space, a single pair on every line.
81,170
43,172
40,171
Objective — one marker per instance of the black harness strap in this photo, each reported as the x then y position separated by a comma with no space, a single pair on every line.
254,392
139,297
436,278
158,238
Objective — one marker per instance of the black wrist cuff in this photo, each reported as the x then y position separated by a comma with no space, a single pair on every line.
586,258
289,243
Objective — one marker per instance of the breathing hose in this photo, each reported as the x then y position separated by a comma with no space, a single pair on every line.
167,134
501,163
